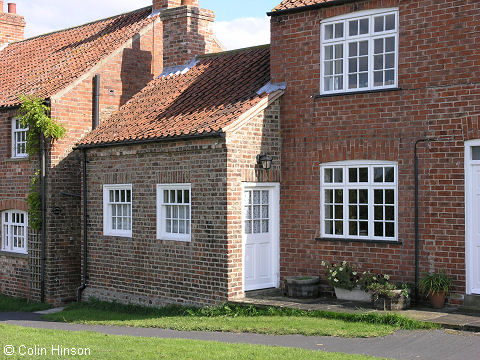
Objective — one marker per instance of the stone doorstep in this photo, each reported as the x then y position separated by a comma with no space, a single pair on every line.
451,319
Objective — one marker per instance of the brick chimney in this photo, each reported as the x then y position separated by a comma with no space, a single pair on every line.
187,31
12,25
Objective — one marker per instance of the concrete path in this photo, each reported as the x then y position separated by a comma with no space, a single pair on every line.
408,345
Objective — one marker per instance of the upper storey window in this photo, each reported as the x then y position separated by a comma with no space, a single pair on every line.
360,52
19,139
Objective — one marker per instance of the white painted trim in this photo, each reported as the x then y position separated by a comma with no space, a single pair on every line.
14,131
107,218
469,265
345,185
161,234
371,36
275,226
358,14
11,249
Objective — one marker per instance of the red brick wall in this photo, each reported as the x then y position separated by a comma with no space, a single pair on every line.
12,27
143,269
14,184
440,98
260,135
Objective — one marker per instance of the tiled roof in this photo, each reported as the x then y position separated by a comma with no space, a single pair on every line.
212,94
292,4
46,64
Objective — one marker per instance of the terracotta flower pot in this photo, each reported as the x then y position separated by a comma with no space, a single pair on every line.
437,300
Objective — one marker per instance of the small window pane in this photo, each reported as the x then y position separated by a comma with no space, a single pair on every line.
389,174
352,194
378,229
179,196
339,196
352,175
353,26
338,175
329,196
339,30
256,227
339,51
256,212
363,196
363,212
475,152
256,197
378,213
363,174
248,227
389,61
363,80
339,228
390,229
165,196
390,44
378,78
265,212
353,212
353,228
339,212
352,81
265,197
389,213
363,228
265,226
329,52
328,176
186,196
328,211
378,46
378,196
364,26
329,227
378,175
329,32
363,64
390,197
389,77
379,23
390,22
363,48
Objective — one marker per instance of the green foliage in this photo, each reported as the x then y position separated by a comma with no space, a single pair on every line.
33,113
8,303
435,283
386,289
93,309
341,276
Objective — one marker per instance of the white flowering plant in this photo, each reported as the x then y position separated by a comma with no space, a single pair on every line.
367,279
341,276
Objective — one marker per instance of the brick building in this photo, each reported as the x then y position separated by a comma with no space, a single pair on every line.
85,73
368,83
165,186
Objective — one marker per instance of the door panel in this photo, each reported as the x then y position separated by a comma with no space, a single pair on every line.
260,238
474,231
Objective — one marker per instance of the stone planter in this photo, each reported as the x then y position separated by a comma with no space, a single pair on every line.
398,302
356,294
302,287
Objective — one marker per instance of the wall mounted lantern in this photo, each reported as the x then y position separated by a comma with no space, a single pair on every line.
265,161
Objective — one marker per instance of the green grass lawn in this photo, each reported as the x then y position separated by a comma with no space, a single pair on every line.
106,347
8,303
233,318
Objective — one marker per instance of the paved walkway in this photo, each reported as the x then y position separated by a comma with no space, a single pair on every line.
450,318
403,345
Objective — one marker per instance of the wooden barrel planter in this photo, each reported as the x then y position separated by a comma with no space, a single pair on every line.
302,287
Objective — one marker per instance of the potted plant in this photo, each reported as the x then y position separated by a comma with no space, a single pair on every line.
302,287
388,296
344,280
436,286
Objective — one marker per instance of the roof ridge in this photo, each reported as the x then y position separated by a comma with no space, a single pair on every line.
230,52
81,25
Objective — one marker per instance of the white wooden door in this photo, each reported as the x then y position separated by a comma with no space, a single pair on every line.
473,219
260,228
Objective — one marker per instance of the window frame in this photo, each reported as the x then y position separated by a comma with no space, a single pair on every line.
107,211
371,36
10,223
346,185
162,234
14,133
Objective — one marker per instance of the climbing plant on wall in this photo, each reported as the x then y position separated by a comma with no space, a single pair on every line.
33,113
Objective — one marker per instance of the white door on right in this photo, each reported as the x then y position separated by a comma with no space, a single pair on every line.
261,238
472,177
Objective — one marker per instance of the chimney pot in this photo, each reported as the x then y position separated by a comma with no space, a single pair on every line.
190,2
12,8
1,6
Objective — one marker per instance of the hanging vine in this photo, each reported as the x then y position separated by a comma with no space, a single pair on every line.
33,113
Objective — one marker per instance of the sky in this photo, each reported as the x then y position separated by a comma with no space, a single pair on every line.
239,23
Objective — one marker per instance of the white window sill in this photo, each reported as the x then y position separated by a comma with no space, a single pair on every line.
18,158
122,234
350,92
353,240
14,253
165,237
